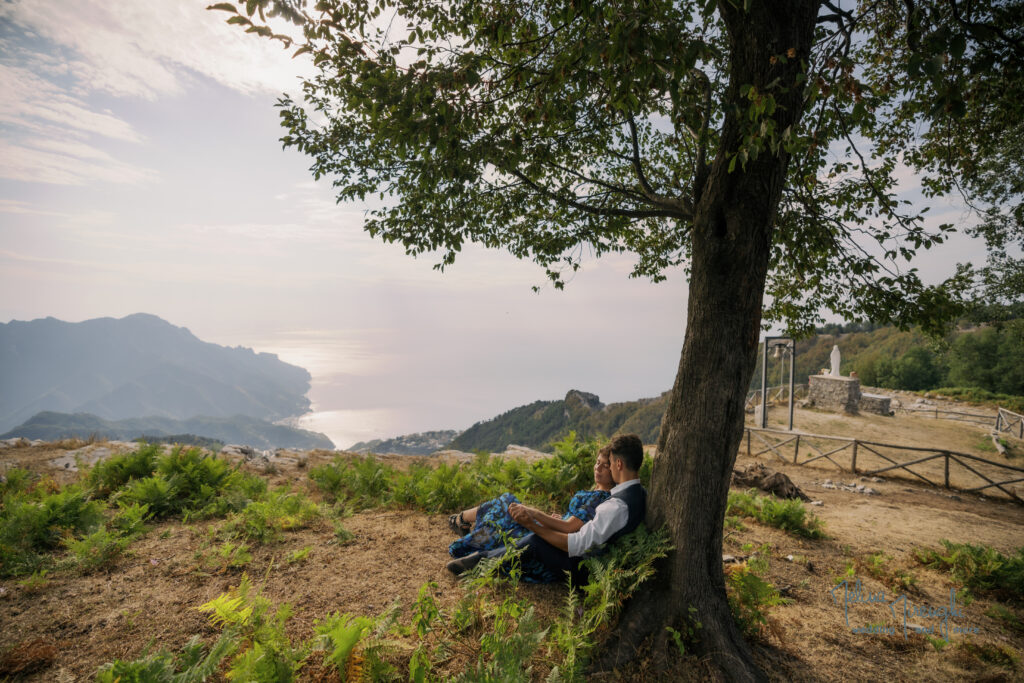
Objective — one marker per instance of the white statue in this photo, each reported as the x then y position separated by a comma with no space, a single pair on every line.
834,357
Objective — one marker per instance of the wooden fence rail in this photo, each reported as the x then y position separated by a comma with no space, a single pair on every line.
775,394
979,418
886,455
1008,421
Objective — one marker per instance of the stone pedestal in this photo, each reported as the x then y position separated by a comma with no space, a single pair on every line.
876,403
839,394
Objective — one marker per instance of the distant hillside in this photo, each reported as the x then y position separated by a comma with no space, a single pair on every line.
538,424
423,443
988,357
138,365
249,431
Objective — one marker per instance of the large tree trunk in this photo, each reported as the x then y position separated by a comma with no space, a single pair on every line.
703,424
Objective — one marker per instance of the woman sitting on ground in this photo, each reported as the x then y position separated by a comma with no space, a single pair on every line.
490,524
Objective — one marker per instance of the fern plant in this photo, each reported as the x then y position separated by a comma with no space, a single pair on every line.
194,664
269,656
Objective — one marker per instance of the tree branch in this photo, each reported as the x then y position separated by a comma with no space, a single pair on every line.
586,208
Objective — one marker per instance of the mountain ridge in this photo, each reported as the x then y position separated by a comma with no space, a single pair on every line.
239,429
139,365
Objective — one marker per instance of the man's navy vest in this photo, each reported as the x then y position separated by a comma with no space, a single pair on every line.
635,498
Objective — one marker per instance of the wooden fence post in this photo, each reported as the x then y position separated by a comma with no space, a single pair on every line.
946,453
796,449
748,441
853,460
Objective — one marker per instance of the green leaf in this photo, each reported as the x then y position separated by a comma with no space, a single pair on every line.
224,7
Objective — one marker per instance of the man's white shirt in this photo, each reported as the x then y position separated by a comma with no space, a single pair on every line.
609,517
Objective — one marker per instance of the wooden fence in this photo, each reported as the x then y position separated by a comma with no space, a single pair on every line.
979,418
938,466
1008,421
778,393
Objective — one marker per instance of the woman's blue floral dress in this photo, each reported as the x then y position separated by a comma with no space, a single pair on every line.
494,527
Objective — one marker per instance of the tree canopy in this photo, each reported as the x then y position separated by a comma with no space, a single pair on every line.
572,128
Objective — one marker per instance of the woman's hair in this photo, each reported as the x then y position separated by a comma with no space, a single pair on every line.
628,448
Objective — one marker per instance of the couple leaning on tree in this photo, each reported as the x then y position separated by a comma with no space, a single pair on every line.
551,545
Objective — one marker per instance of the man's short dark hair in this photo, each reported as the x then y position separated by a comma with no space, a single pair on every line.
629,448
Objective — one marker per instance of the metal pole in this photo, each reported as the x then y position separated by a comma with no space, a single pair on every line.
764,385
792,364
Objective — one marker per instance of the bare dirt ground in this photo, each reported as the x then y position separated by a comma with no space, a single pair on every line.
146,601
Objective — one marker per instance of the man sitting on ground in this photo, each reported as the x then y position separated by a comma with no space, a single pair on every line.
616,517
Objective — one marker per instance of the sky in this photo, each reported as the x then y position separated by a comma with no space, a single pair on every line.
141,171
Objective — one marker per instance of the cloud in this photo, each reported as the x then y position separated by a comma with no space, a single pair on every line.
67,163
39,105
129,48
58,58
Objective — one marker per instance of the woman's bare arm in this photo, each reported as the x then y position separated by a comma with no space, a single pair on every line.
530,515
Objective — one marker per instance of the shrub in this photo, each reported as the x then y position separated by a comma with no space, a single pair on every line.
267,655
130,520
555,479
264,520
197,479
29,527
978,568
341,634
750,595
157,493
449,488
96,550
614,576
226,556
192,665
981,396
107,476
789,515
363,482
507,648
192,484
15,481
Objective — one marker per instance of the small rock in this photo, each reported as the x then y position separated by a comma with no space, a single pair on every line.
828,485
859,489
789,558
876,480
870,492
817,502
827,481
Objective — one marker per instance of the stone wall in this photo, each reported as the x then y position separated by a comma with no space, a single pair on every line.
876,403
840,394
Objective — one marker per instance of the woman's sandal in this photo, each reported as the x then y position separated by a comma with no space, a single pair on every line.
459,525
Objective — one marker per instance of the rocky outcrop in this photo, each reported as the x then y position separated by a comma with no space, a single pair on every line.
422,443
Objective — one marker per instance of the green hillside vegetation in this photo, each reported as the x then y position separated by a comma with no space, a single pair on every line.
989,358
538,424
979,364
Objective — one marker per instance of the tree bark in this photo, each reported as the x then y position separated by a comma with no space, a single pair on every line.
703,423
